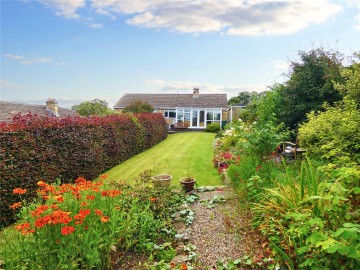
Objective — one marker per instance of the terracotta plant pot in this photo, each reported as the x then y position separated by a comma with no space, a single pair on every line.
187,183
161,179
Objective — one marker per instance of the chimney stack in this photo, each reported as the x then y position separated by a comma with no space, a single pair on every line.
51,104
196,93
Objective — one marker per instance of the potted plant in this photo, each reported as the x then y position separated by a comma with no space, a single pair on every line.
187,182
162,179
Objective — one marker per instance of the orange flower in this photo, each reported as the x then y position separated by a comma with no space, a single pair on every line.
41,183
117,207
59,198
104,176
172,265
184,266
104,219
152,199
67,230
19,191
84,212
90,197
80,180
24,228
41,209
16,205
98,212
54,206
84,204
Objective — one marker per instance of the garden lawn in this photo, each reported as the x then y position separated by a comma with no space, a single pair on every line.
180,155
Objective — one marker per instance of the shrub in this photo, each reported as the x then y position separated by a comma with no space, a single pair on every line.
215,128
333,134
37,148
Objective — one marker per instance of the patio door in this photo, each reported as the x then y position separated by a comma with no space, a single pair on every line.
198,118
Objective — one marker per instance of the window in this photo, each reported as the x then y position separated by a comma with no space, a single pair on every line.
213,116
170,113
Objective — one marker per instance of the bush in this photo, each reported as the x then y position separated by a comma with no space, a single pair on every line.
214,128
333,134
39,148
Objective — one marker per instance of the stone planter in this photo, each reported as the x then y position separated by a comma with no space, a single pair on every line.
187,183
161,179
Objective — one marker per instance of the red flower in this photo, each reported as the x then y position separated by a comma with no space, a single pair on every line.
19,191
152,199
90,197
67,230
98,212
258,168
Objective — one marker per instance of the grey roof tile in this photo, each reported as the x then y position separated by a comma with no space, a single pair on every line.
163,101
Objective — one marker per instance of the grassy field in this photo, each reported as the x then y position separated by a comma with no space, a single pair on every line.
180,154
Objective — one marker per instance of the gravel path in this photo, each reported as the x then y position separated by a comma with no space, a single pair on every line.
222,232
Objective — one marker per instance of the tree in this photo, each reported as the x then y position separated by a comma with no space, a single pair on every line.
350,82
93,107
243,98
139,106
310,84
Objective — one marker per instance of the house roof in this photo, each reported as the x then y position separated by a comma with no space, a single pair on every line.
171,101
9,109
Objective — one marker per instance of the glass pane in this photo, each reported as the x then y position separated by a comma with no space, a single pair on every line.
209,115
202,119
194,118
172,114
216,116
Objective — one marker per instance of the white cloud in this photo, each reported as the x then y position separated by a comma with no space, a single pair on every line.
65,8
236,17
26,60
185,87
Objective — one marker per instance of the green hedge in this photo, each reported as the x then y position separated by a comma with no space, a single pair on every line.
36,148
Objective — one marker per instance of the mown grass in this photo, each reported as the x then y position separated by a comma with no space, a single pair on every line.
180,154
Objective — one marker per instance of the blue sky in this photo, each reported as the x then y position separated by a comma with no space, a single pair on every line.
78,50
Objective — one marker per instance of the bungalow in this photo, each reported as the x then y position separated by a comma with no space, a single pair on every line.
194,111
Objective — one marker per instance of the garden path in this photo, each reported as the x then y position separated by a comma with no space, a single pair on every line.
221,231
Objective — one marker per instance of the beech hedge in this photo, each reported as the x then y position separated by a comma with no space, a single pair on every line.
34,148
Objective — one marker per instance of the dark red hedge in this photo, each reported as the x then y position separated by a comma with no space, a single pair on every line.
34,148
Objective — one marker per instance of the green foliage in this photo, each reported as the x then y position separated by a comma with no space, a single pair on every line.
349,85
310,84
94,107
102,219
313,222
214,128
139,106
333,134
243,98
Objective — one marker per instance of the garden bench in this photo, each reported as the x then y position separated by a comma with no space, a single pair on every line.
290,150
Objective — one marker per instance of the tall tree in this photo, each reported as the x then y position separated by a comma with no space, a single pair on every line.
243,98
139,106
93,107
350,82
310,84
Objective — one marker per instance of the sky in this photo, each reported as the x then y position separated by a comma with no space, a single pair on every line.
79,50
